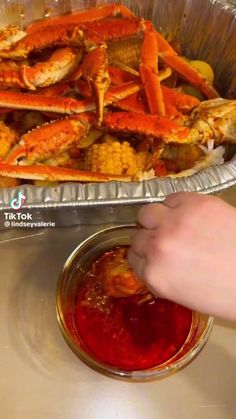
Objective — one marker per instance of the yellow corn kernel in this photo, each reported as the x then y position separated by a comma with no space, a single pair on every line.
59,160
125,51
114,157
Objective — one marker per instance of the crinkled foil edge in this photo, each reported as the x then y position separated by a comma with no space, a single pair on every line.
208,181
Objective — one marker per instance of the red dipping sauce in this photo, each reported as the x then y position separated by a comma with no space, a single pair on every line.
126,332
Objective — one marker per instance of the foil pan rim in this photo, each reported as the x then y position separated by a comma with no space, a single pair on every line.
207,181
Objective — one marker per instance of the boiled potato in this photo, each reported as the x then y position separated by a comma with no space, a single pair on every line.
204,69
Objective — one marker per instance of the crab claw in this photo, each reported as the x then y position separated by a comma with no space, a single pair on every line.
95,70
61,63
51,139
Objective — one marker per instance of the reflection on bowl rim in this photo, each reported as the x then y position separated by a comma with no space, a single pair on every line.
138,375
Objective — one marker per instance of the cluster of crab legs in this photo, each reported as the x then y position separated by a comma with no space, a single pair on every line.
76,59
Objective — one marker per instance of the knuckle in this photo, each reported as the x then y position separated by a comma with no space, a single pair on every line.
161,243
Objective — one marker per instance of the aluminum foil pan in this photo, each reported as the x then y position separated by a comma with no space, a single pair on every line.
206,29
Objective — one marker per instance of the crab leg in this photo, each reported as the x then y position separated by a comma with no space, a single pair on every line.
64,105
181,66
58,89
95,70
61,63
138,103
169,56
90,35
51,139
74,35
119,76
57,174
149,125
149,73
212,120
15,154
190,74
181,101
54,36
54,138
92,14
134,103
27,101
9,36
175,103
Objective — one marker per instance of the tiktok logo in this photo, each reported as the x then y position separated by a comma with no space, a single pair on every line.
17,203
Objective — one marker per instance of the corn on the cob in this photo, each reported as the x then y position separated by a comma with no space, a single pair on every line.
64,160
115,157
125,51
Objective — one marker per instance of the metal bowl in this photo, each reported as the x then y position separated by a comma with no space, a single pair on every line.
72,278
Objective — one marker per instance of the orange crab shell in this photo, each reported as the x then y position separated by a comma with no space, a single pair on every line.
93,14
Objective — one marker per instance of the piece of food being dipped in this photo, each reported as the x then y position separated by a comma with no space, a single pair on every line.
119,280
120,322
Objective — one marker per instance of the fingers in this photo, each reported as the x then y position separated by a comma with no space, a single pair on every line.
151,216
177,199
137,263
140,242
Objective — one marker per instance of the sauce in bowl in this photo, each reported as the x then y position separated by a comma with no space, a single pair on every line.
130,333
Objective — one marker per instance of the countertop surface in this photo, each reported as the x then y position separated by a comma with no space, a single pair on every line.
40,377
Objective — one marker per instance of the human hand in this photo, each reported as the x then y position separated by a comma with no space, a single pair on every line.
185,251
